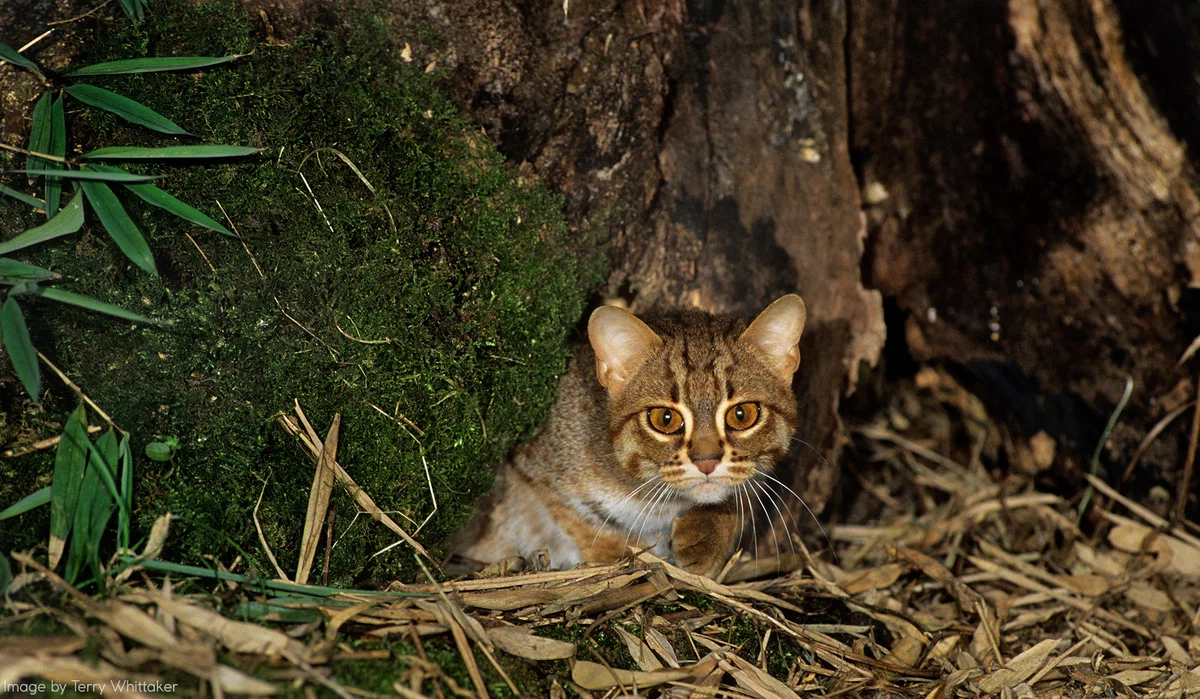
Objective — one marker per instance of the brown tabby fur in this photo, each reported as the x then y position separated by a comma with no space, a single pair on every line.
600,481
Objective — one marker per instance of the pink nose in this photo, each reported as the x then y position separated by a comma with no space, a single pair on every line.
706,466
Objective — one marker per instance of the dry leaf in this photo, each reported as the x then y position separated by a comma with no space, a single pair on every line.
1086,585
661,645
591,675
1176,651
238,682
906,652
237,636
508,600
1020,668
641,653
756,680
520,641
879,578
1147,597
318,501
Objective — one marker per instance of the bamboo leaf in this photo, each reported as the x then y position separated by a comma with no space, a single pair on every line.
10,54
123,524
120,227
20,350
129,8
32,501
151,65
157,197
39,132
12,271
88,175
69,463
91,304
58,147
123,107
170,152
94,508
69,220
22,196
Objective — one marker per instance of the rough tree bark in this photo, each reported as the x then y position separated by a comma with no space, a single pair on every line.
1040,224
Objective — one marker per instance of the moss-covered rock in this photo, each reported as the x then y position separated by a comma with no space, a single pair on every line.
433,312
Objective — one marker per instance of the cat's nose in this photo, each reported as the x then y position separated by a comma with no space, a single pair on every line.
706,466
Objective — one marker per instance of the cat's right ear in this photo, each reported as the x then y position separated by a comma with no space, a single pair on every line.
621,342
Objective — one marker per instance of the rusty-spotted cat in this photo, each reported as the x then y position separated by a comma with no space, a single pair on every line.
664,434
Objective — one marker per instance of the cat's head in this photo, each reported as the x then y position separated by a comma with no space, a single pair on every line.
700,401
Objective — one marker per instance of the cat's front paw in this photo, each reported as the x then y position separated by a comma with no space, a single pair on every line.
703,539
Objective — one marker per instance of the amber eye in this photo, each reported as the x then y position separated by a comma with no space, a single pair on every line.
665,420
742,416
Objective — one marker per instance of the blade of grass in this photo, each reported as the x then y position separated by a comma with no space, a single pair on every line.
10,54
157,197
87,175
69,463
141,153
5,574
93,510
91,304
69,220
119,226
21,355
127,109
275,585
12,271
32,501
23,197
123,523
39,131
57,147
151,65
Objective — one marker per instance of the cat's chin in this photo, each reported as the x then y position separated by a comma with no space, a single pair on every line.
708,492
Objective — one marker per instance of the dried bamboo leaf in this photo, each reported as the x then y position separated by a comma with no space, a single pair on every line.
237,636
520,641
756,680
1021,667
318,502
595,676
641,653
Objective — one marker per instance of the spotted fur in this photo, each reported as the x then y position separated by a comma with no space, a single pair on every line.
601,480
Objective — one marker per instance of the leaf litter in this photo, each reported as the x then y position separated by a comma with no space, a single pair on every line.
952,583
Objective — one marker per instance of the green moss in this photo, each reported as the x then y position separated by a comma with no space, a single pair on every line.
457,278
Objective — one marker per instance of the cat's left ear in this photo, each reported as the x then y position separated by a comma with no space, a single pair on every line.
775,335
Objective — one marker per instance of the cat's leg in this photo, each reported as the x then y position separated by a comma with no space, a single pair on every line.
513,520
704,537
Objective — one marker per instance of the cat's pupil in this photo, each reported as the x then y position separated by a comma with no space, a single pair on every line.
739,413
668,417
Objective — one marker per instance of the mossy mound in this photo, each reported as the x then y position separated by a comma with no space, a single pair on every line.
447,296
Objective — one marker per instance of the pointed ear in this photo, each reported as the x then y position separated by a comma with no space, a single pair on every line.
775,335
621,342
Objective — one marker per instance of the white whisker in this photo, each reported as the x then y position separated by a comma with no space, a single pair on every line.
616,507
659,502
764,509
778,498
806,507
779,512
753,525
644,511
